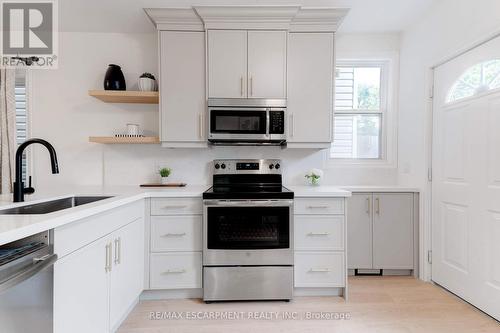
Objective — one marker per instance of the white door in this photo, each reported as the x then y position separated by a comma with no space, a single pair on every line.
81,290
182,87
466,184
267,64
227,63
393,231
127,274
310,87
359,231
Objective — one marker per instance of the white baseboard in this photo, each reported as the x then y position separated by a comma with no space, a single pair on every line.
148,295
318,292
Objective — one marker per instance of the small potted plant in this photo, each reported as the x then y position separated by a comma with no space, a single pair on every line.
147,82
314,176
164,173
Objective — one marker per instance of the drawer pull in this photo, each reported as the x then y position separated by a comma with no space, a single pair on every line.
174,271
318,207
174,234
175,207
320,270
318,234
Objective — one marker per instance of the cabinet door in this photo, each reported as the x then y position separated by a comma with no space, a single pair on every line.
182,86
393,231
227,63
310,87
127,274
81,286
359,231
267,64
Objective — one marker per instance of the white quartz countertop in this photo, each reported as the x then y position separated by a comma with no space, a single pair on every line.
383,188
14,227
319,191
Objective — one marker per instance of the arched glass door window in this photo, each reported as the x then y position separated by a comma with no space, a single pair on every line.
479,78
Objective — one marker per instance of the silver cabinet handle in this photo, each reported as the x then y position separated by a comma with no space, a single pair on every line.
368,206
119,251
200,121
251,86
318,234
320,270
18,277
241,86
174,271
174,207
116,251
108,266
292,126
317,207
174,234
377,205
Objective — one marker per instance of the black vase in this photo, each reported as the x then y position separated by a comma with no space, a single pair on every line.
114,79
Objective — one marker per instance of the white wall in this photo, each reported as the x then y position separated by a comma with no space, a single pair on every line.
64,114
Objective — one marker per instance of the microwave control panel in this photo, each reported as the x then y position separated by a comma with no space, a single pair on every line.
276,122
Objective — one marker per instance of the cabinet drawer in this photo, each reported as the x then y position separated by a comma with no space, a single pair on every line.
176,206
319,206
176,233
319,232
319,269
176,270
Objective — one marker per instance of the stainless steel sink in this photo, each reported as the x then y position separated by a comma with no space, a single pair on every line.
52,206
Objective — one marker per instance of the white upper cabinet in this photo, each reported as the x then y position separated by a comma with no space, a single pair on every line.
227,63
182,88
267,64
246,64
310,89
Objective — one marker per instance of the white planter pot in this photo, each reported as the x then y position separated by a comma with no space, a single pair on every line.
164,180
147,84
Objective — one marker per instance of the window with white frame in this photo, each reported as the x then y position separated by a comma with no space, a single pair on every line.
360,110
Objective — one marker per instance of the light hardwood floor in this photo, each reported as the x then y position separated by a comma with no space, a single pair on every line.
376,304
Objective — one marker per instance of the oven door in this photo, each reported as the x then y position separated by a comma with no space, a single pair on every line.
234,124
243,232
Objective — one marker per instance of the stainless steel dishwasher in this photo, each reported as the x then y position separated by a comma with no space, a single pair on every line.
26,285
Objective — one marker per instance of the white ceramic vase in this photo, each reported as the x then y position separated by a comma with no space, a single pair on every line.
147,84
164,180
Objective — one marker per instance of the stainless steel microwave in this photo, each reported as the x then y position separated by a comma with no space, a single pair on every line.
235,121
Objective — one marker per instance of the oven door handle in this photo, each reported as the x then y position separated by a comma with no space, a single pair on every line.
248,203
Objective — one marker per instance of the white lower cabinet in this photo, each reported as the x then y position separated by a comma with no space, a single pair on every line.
319,242
175,253
319,269
96,285
181,270
381,231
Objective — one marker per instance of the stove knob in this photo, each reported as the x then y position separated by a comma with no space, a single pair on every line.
277,166
271,166
217,166
222,166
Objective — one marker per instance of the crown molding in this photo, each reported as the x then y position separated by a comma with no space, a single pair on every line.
318,19
292,18
247,17
175,19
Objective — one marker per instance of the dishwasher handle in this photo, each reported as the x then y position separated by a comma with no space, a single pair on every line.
39,264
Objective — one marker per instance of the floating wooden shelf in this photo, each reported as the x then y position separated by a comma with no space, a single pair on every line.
124,140
126,96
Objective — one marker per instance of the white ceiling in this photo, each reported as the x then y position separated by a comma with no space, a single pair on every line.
128,16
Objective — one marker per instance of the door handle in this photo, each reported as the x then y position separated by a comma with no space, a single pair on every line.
39,264
317,207
174,271
241,86
118,250
377,205
108,265
251,86
368,206
174,207
292,126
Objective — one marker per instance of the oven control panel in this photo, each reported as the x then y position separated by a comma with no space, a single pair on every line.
265,166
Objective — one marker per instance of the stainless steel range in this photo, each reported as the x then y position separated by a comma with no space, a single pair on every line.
247,233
